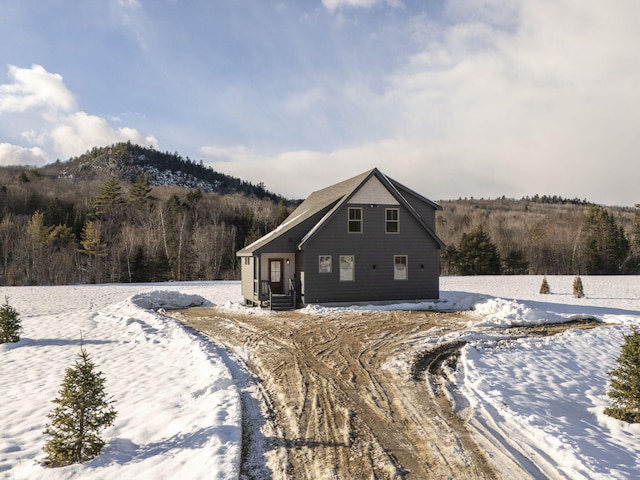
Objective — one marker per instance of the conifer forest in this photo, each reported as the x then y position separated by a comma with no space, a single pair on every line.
126,213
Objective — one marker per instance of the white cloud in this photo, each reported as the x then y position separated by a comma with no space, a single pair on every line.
15,155
315,170
34,88
334,5
539,98
130,15
79,132
57,129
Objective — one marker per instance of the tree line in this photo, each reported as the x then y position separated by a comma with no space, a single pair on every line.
103,217
532,236
56,231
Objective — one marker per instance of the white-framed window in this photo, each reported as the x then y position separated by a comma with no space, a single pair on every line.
247,260
392,223
324,264
347,268
400,267
355,220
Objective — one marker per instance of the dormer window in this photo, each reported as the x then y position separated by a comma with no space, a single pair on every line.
355,220
392,224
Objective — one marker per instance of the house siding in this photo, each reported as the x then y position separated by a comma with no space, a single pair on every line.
246,271
426,211
288,242
319,226
372,247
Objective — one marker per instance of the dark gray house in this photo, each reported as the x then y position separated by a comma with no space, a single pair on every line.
366,239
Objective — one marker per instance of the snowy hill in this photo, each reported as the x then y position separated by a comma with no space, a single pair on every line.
127,161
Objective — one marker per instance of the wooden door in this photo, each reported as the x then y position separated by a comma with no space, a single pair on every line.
276,275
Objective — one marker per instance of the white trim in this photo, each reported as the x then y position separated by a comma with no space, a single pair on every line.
387,221
349,220
401,273
347,264
327,266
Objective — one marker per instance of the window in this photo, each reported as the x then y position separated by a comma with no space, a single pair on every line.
275,267
400,270
355,220
324,264
247,260
347,267
392,224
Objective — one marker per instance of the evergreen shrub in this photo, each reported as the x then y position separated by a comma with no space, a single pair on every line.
544,287
10,324
624,381
578,290
82,412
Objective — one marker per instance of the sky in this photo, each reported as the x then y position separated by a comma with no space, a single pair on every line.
453,98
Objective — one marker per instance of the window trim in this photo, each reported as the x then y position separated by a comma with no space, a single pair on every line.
343,258
396,271
387,222
328,262
354,221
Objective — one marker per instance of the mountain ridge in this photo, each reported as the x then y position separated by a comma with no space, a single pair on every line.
127,161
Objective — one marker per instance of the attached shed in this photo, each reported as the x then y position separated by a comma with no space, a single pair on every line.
366,239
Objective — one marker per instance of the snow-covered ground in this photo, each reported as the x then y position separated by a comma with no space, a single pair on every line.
543,399
178,408
540,400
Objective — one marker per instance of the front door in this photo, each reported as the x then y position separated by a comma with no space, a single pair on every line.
275,275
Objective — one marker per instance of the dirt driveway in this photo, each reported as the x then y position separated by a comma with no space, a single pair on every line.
331,405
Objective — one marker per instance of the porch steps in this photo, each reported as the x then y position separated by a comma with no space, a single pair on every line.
282,302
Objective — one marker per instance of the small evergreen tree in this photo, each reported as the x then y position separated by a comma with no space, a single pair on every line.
544,288
109,199
478,255
82,412
10,324
624,381
578,291
90,240
141,189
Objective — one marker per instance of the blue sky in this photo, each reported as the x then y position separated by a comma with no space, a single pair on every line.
454,98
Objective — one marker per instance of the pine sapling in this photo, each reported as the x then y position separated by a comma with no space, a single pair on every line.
578,291
544,288
82,412
10,324
624,381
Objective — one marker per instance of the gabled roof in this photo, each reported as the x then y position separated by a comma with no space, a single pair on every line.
330,199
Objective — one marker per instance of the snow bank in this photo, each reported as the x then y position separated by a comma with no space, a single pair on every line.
498,312
169,300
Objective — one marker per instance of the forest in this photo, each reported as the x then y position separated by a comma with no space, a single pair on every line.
126,213
116,214
538,235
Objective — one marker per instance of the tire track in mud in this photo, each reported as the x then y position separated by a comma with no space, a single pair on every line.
338,413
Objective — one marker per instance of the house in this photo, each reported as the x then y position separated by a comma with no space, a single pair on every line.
366,239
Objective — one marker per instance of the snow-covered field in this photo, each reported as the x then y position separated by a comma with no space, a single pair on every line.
540,400
178,408
543,399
